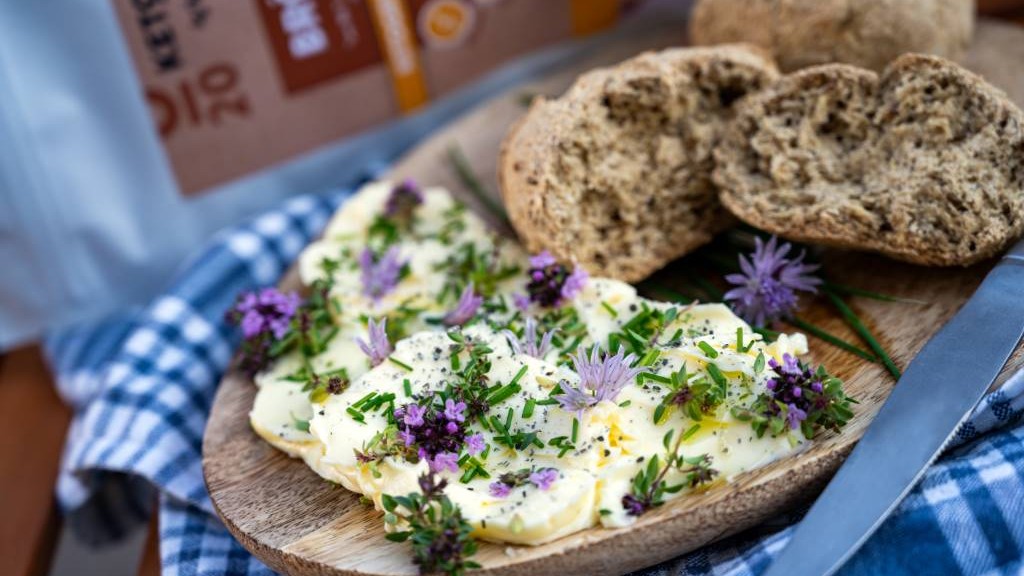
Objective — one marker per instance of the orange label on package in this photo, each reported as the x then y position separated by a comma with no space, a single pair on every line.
238,86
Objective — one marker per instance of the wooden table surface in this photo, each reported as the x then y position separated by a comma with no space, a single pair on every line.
30,407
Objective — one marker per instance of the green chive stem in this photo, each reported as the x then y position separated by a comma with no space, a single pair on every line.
855,322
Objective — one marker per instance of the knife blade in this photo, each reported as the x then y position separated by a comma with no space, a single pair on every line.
936,393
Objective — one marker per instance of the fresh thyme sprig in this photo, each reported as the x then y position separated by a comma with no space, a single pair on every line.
798,398
649,486
694,397
439,535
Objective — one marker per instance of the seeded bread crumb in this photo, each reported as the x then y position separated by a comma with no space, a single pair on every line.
924,163
616,174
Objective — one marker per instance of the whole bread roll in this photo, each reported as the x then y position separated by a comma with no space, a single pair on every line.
866,33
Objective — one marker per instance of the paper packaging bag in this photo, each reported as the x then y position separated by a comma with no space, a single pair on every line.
133,129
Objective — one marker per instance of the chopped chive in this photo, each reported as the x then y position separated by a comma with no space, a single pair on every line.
708,349
766,333
575,429
654,377
625,403
467,475
518,376
455,362
831,339
609,309
503,393
407,387
472,183
356,414
855,322
547,402
528,408
400,364
604,511
300,425
361,401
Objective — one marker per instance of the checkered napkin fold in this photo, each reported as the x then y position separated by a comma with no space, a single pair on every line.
142,384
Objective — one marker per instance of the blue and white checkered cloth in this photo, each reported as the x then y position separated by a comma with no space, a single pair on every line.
142,385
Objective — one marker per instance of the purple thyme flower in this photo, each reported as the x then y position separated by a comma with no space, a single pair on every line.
466,308
379,347
794,416
379,275
766,289
475,444
444,461
529,344
521,301
606,376
412,415
542,260
407,437
454,410
544,478
404,198
550,283
633,505
500,489
574,283
267,311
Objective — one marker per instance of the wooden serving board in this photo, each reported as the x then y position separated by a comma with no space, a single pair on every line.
298,523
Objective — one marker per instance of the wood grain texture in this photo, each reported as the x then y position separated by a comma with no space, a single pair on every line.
300,524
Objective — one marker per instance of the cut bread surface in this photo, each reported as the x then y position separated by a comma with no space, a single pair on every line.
924,163
616,174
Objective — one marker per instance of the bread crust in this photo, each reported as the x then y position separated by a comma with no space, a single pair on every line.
866,33
924,163
615,174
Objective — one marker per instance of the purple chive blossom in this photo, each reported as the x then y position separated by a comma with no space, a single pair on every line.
404,198
379,347
529,344
475,444
379,274
444,461
766,289
500,489
550,283
267,311
573,399
606,376
601,378
466,308
544,478
454,410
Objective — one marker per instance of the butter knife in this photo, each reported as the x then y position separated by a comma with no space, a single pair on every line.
936,393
